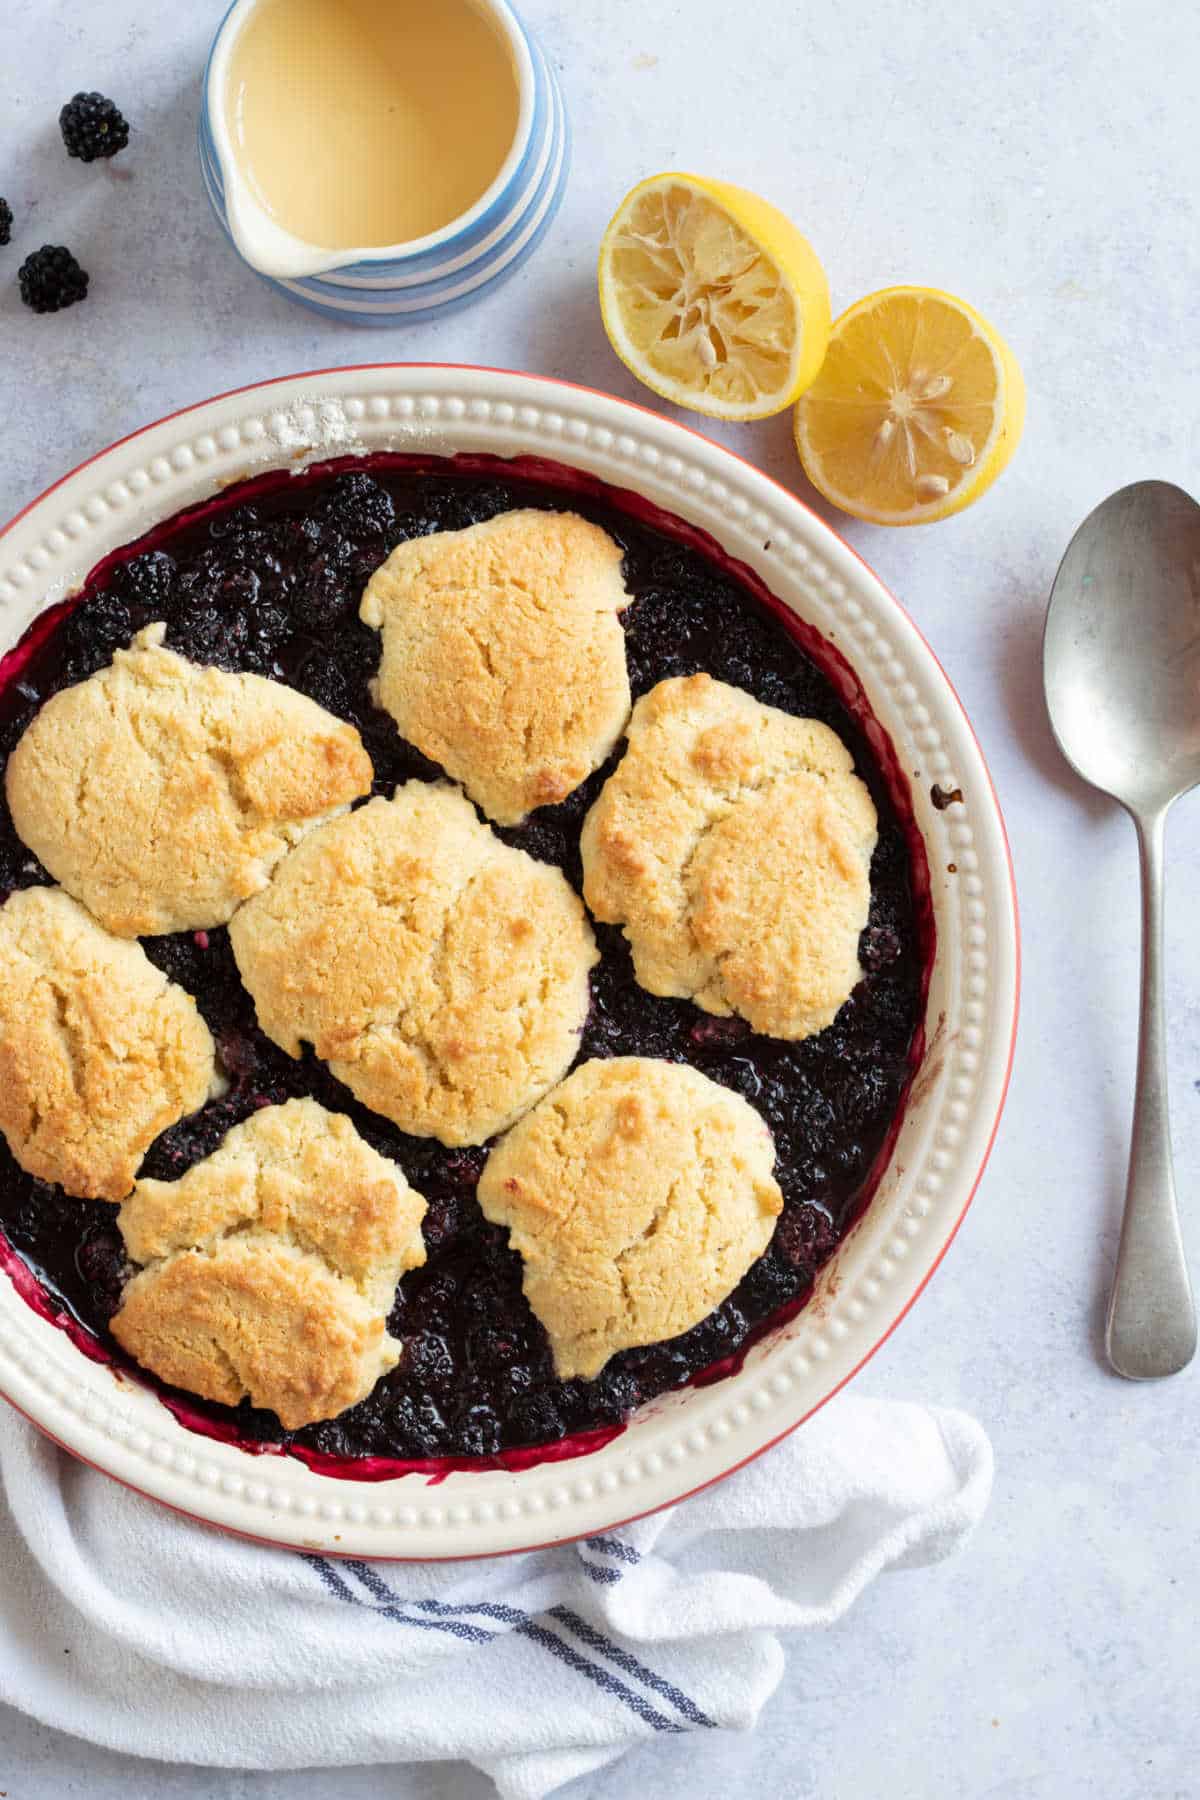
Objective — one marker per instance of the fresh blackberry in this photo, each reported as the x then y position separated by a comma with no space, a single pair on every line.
92,126
5,222
50,279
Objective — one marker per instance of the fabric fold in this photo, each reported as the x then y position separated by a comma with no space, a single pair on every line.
134,1628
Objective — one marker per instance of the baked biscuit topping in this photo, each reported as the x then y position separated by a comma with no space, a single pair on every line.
442,975
503,654
162,794
272,1266
254,1279
99,1052
303,1174
256,1316
637,1194
734,844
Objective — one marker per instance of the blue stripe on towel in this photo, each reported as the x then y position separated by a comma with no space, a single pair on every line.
524,1626
601,1677
459,1628
604,1577
595,1640
514,1616
331,1578
614,1547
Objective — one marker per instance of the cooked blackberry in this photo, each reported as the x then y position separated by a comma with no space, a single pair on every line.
6,219
50,278
149,581
357,504
92,126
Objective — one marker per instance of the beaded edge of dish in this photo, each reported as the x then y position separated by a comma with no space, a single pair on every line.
311,428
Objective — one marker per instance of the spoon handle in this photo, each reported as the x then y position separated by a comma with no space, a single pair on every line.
1151,1316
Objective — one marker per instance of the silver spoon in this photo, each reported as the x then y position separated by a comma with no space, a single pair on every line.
1121,665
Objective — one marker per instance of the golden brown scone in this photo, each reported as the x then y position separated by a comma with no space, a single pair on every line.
503,654
442,975
301,1173
637,1194
256,1316
99,1052
273,1266
734,844
162,794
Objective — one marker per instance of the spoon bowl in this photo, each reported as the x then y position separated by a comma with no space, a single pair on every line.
1121,666
1122,646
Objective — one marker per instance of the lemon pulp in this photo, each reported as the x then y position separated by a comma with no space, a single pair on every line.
712,297
917,408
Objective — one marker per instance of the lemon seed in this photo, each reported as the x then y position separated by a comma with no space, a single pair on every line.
937,387
932,487
885,434
961,448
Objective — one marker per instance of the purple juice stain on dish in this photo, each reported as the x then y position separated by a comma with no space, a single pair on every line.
266,577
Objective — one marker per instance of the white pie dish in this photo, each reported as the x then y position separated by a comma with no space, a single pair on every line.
684,1440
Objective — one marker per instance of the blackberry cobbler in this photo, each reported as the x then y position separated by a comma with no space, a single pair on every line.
465,1363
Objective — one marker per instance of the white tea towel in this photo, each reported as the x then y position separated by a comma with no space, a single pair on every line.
132,1627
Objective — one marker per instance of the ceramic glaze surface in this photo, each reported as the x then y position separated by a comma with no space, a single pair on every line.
693,1436
433,274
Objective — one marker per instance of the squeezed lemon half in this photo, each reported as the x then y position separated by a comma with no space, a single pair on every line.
917,408
712,297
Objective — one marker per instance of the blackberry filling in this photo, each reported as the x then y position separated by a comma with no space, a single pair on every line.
267,578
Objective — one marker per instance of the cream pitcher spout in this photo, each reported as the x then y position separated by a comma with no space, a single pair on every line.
381,158
261,241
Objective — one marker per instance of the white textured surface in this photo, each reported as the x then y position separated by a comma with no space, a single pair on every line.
1040,161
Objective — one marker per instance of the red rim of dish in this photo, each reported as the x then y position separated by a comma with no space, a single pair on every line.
794,499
